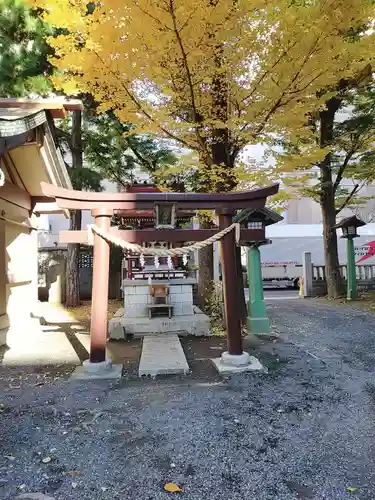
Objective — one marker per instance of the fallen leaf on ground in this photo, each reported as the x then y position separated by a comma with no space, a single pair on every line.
10,457
351,489
74,473
172,488
46,460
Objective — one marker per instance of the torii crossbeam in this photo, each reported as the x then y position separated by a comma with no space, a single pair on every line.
104,205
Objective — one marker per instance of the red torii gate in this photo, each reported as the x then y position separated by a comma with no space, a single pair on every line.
104,205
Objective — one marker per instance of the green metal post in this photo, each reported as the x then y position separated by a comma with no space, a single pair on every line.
257,320
351,275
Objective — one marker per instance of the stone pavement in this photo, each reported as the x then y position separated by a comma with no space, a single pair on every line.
162,355
46,340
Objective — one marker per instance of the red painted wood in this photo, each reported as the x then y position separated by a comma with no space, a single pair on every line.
100,281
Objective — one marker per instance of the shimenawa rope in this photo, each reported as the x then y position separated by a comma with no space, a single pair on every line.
160,252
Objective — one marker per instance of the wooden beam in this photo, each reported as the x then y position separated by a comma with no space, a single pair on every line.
47,208
150,235
84,200
14,194
50,104
149,204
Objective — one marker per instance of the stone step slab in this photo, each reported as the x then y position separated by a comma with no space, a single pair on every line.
162,355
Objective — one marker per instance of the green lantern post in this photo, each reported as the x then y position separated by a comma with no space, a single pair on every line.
257,320
258,219
349,228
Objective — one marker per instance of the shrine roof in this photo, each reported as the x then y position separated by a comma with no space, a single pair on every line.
57,106
142,188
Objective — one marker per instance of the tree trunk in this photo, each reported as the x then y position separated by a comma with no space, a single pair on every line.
206,270
72,282
72,264
333,276
219,176
327,203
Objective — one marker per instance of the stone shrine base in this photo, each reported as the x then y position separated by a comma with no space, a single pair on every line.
197,324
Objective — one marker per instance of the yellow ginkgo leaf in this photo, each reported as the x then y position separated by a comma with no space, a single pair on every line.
350,489
172,488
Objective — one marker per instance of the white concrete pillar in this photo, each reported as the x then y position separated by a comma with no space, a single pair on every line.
307,274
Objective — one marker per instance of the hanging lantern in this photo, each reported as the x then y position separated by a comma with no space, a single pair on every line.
156,262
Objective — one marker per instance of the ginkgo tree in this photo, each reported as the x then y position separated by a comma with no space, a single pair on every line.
212,75
338,181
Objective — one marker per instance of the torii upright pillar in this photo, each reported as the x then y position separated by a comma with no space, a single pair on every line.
234,359
100,281
98,366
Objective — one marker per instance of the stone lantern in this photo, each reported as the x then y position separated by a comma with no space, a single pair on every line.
349,228
257,319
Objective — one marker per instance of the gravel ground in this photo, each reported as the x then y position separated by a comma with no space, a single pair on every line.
305,430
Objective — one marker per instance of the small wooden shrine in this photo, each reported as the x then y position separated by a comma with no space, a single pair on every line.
146,220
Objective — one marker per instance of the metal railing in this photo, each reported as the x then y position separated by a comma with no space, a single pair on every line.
363,272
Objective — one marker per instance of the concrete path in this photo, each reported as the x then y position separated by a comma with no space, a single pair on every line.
162,355
49,338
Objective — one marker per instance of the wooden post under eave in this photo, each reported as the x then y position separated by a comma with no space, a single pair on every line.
100,281
229,271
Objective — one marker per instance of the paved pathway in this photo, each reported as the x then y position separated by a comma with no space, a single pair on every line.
47,339
162,355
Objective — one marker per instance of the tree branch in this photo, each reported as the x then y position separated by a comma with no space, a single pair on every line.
200,139
348,199
265,73
116,177
143,160
152,17
341,171
278,102
140,107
